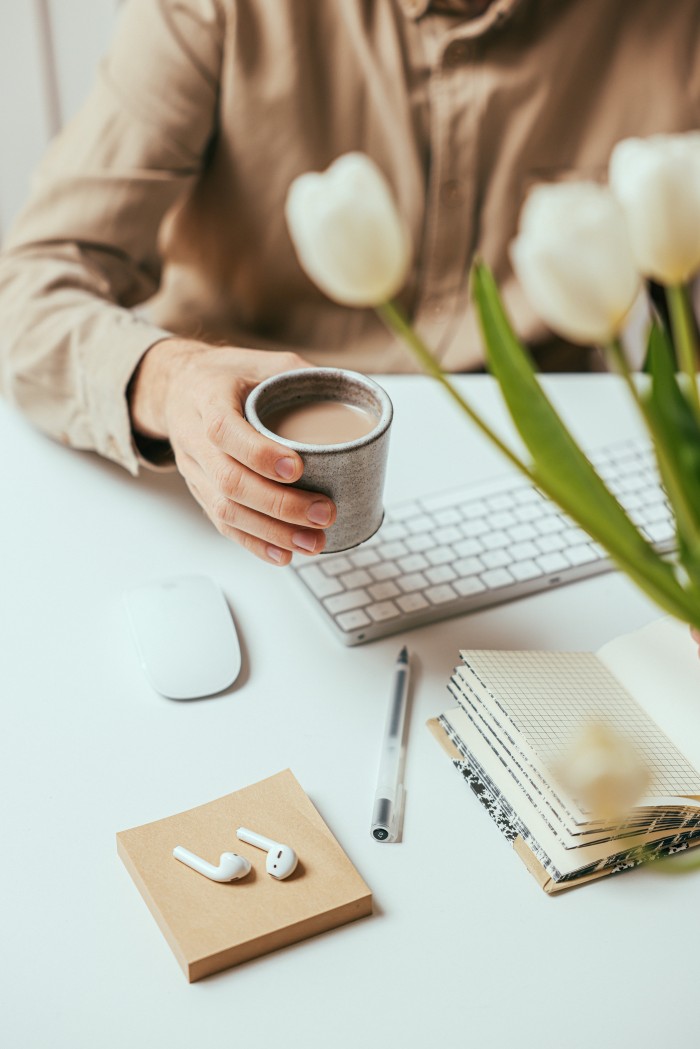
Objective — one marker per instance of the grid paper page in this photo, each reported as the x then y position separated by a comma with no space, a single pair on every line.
547,696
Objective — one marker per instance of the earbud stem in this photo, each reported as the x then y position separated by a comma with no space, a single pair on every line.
258,840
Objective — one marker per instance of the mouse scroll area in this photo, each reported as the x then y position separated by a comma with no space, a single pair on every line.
185,636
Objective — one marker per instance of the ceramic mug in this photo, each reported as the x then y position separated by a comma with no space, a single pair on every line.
351,473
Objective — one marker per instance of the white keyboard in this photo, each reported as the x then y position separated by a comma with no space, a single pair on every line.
470,547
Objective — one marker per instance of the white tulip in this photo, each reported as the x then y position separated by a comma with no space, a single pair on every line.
573,259
657,181
347,232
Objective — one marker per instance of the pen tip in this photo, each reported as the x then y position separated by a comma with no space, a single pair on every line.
403,654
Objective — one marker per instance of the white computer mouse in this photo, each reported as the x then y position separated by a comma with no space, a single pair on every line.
185,636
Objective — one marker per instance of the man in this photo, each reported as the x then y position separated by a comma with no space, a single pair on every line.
151,283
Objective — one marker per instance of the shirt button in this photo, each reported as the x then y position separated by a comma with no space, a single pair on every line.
452,193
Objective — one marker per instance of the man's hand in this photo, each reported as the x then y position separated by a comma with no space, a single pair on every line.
192,395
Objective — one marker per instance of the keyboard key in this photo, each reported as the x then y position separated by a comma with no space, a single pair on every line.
522,532
352,620
449,534
363,558
412,602
417,543
660,532
546,544
391,531
523,570
415,581
447,517
580,555
318,582
503,520
440,555
467,587
336,565
440,574
439,595
472,529
501,502
522,551
413,563
496,558
419,524
390,551
352,580
494,540
383,610
382,591
493,579
468,547
344,602
468,566
385,570
549,524
549,563
474,510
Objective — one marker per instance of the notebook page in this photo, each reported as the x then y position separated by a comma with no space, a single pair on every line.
659,666
547,696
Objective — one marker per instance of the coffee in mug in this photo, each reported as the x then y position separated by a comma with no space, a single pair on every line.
338,422
321,422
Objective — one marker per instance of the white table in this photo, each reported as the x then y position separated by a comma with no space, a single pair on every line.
463,948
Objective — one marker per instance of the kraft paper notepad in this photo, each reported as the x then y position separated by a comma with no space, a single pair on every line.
210,925
517,712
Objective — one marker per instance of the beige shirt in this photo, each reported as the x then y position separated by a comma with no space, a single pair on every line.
160,207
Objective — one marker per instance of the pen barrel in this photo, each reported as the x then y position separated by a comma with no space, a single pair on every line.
388,775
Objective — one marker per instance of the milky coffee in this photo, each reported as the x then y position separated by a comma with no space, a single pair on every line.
321,422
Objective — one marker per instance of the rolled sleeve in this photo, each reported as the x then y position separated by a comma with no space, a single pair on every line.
83,255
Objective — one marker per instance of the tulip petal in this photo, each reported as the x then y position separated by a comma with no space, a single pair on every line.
657,181
347,232
573,259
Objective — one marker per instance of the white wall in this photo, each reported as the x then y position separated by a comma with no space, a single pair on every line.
49,50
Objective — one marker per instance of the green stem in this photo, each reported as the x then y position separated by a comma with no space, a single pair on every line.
684,338
662,589
395,320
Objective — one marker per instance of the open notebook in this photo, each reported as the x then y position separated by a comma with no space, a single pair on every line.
516,714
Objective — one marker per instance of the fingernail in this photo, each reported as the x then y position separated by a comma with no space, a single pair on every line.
274,553
319,513
285,468
304,541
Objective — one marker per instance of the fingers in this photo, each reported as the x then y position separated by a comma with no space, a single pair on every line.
271,520
229,432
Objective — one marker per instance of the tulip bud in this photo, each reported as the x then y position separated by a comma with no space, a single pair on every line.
347,232
573,259
657,181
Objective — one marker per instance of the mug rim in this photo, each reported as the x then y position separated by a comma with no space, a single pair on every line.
286,378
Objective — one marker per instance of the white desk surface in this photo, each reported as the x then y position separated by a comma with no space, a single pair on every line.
463,947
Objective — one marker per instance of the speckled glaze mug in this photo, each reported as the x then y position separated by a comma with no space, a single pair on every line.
350,473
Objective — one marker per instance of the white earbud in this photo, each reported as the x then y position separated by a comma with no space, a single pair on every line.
281,859
231,865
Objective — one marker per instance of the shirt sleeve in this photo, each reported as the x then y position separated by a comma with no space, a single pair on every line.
83,254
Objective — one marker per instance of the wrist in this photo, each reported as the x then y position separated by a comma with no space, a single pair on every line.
150,386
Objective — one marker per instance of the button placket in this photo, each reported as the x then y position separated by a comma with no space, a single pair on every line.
450,229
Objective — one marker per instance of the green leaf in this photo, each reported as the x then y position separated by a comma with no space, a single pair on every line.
677,439
563,471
